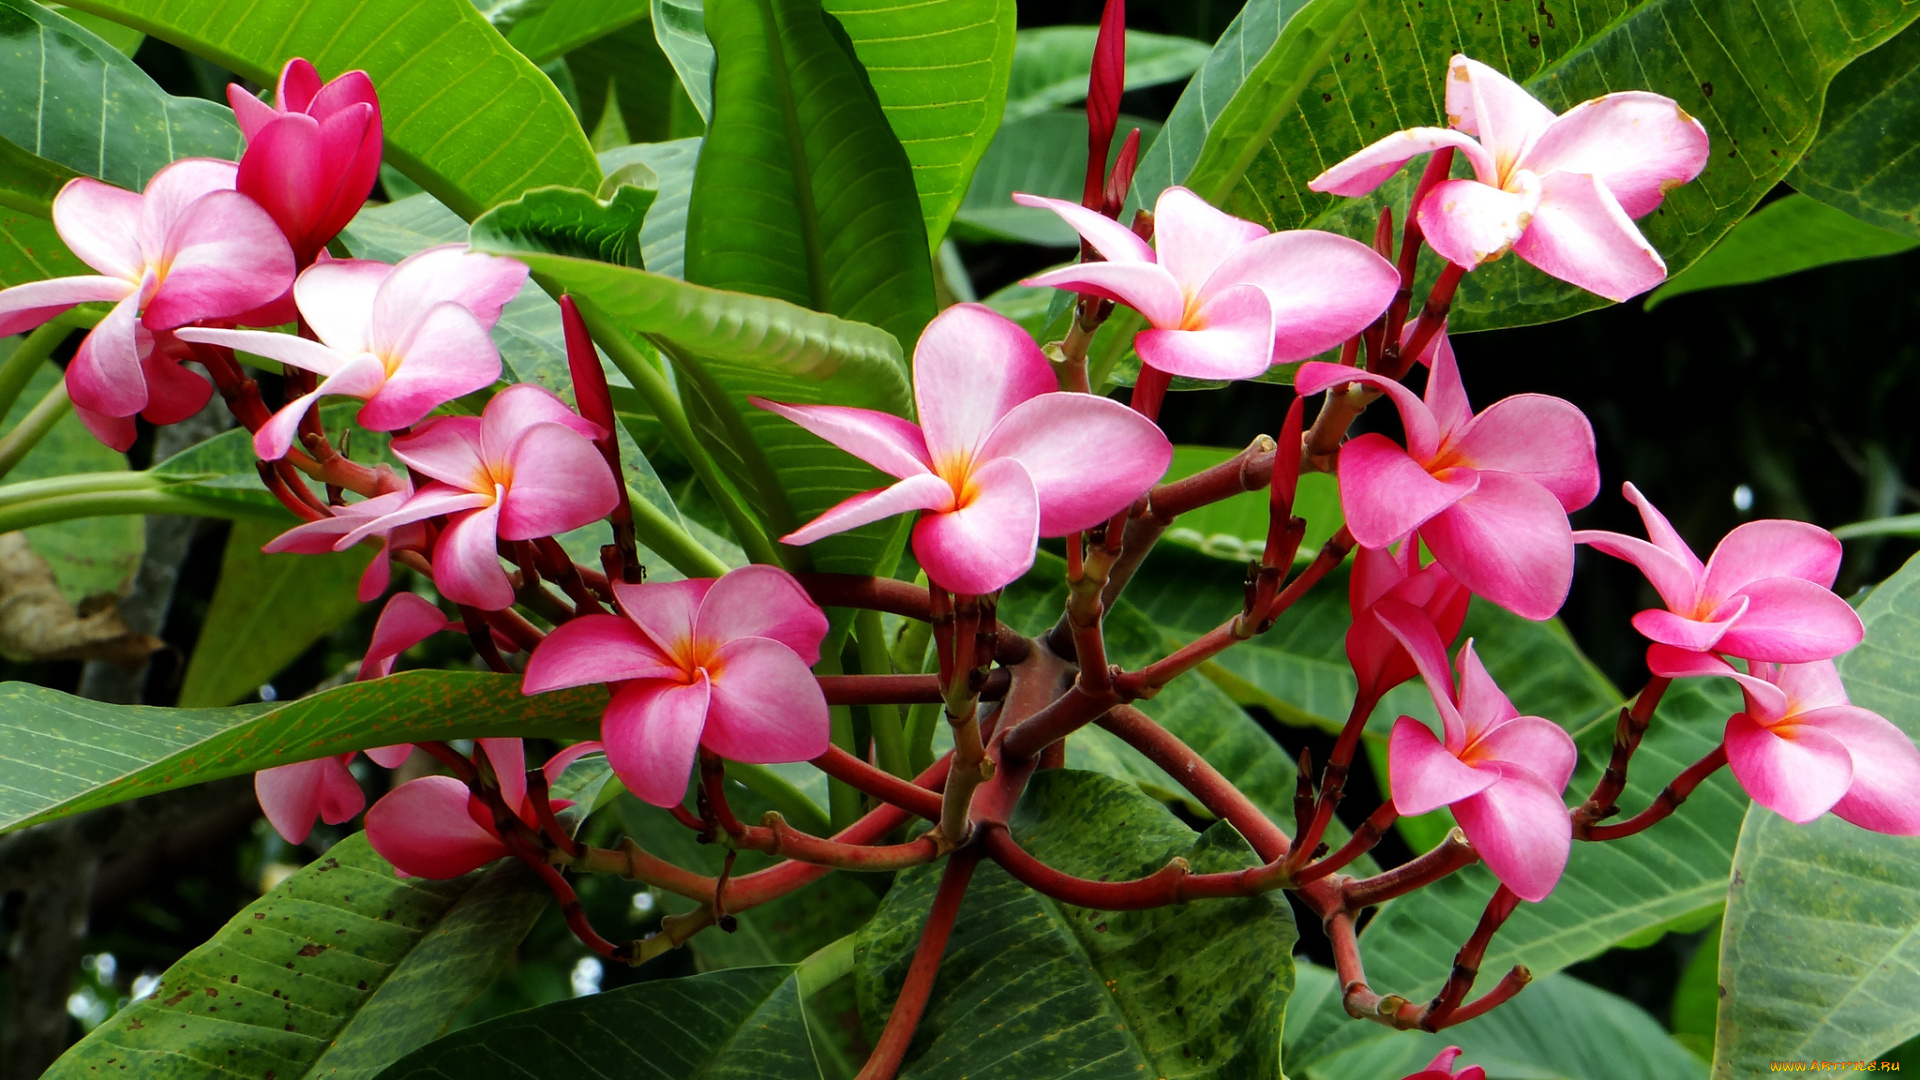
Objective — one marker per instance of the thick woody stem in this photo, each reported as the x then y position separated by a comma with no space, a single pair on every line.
1215,792
1073,351
881,784
1466,963
1627,733
481,635
874,593
900,689
1514,981
1363,840
1452,854
773,836
891,1049
1664,804
1174,883
537,794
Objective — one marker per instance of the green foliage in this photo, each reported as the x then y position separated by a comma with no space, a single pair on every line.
1784,237
1051,66
1041,154
742,1022
466,116
569,222
1818,958
266,611
1198,989
663,236
802,193
1235,529
60,754
680,28
1860,162
30,249
89,556
341,968
561,26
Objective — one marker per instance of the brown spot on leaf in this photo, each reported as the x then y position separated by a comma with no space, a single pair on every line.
312,950
1706,88
211,992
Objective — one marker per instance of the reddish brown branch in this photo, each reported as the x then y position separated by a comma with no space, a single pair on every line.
1627,733
891,1049
900,689
1363,840
1450,855
1664,804
873,593
881,784
1215,792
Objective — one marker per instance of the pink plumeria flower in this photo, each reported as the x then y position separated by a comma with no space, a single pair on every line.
313,155
293,796
721,663
526,467
187,248
405,339
319,537
1502,773
1802,749
999,459
1560,192
1225,298
1764,594
1441,1068
434,827
1379,661
173,392
1489,494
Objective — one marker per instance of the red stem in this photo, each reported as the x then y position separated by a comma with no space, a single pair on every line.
1363,840
1665,803
873,593
914,797
900,689
1452,854
891,1049
1215,792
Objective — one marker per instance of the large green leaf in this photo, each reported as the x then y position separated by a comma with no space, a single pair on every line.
940,70
1051,66
1784,237
89,556
343,967
466,116
60,754
663,236
1197,989
567,221
680,29
731,345
1041,154
30,249
265,612
739,1023
625,72
1861,162
561,26
1754,73
1820,954
71,98
802,192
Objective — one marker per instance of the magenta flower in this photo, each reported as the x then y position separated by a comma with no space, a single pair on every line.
1225,298
1561,192
1441,1068
319,537
1802,749
1379,661
187,248
173,392
721,663
313,155
433,827
526,467
1764,594
1489,494
405,339
1000,457
1502,773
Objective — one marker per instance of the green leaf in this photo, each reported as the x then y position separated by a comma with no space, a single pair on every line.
1558,1028
466,116
341,968
72,98
680,28
567,221
60,754
1041,154
802,193
1860,161
564,25
1784,237
663,236
940,72
89,556
742,1022
120,37
626,82
265,612
1235,529
1820,956
1696,998
1051,66
30,248
1198,989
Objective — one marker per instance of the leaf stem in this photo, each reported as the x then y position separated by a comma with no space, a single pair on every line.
891,1049
666,538
20,368
889,738
39,420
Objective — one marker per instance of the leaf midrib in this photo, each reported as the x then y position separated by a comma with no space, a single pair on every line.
808,214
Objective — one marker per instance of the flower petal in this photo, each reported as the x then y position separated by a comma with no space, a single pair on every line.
1374,165
923,492
450,273
651,731
1661,532
430,501
509,760
1886,770
1230,337
116,432
668,612
24,307
1521,829
174,391
1114,241
560,483
170,192
1580,235
1424,776
450,355
1790,621
1766,703
1386,494
988,542
1507,541
762,602
406,621
767,706
336,299
1811,686
1323,288
518,408
1544,439
390,757
1677,585
1417,634
1770,549
466,561
100,223
1144,287
423,828
1193,238
1056,437
1795,770
1498,111
286,348
1483,705
1469,223
105,375
971,367
594,649
1423,432
1445,395
360,377
224,256
882,440
1542,746
1683,632
293,796
1639,145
